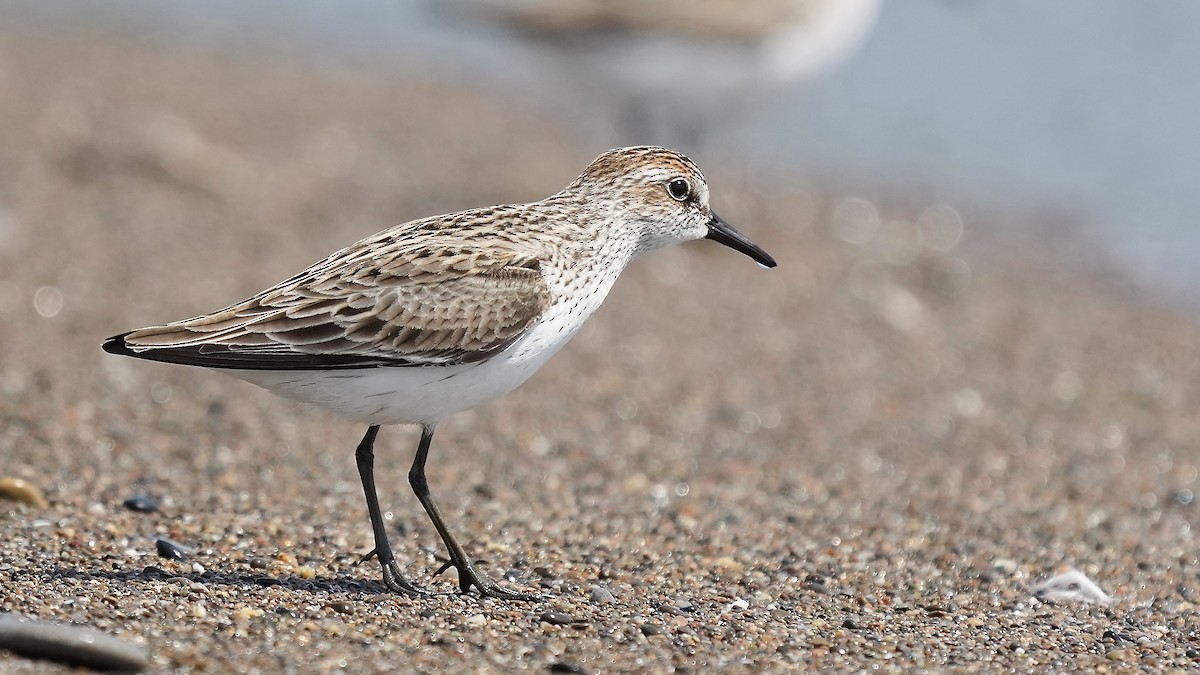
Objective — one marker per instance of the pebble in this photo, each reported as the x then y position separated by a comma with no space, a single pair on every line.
171,550
341,607
1004,565
245,613
817,587
652,629
141,504
566,667
602,596
684,604
21,490
727,564
555,618
74,645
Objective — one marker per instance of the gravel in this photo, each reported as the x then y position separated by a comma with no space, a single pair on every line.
866,459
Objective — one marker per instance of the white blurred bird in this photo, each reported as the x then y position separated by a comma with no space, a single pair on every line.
667,70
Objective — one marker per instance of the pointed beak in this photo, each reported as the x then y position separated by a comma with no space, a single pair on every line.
723,233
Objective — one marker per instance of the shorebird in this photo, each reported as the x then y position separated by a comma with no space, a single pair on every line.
669,68
441,314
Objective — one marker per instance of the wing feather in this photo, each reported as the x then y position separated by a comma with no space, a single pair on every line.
369,305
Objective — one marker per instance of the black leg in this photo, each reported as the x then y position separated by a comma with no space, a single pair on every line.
365,456
468,574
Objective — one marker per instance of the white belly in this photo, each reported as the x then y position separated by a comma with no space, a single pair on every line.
425,394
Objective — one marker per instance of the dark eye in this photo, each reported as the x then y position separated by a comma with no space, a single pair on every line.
680,189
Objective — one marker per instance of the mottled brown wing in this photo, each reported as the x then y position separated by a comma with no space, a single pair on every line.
355,310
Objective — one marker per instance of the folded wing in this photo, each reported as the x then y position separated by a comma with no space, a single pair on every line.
364,307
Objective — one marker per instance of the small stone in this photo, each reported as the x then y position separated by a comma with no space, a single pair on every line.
141,503
1113,636
244,613
684,604
739,604
258,564
850,624
1116,655
555,618
21,490
727,564
306,572
171,550
1004,565
75,645
602,596
652,629
566,667
817,587
341,607
476,620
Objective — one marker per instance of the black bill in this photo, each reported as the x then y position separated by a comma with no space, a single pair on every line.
723,233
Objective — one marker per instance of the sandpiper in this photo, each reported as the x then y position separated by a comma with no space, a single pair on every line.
668,70
438,315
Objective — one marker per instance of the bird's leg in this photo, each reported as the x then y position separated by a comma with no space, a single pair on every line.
468,574
365,456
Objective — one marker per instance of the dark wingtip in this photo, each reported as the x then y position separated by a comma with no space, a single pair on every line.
116,345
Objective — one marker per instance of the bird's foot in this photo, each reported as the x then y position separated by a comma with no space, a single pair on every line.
392,578
469,575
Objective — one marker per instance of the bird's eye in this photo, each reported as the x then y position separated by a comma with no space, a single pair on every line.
680,189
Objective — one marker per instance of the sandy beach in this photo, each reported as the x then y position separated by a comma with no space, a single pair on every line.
865,459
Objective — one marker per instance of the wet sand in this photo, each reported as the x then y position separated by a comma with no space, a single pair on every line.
866,458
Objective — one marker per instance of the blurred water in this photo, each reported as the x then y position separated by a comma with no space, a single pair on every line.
1082,107
1089,107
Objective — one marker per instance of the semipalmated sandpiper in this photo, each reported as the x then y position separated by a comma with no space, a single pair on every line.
438,315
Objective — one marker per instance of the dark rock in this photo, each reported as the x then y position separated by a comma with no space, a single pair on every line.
74,645
556,618
141,503
171,550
